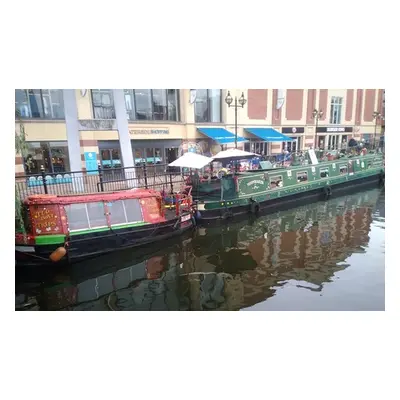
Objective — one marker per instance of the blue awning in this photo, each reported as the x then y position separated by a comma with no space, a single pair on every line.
221,135
268,134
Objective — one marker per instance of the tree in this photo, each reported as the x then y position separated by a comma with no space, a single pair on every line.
20,148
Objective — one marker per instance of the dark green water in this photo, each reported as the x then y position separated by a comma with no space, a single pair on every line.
324,256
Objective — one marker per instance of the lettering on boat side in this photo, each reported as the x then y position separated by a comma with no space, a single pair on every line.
45,220
255,182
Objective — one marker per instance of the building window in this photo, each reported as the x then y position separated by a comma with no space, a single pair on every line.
207,107
367,137
336,110
52,155
152,104
103,104
333,142
40,103
110,158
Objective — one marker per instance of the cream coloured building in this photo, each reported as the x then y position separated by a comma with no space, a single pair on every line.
75,129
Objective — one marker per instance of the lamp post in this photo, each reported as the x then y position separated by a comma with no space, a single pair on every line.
316,115
242,101
376,116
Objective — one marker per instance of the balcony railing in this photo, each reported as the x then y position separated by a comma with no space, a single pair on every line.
102,112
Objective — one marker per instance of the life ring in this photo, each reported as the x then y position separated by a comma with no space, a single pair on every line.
254,207
327,192
382,179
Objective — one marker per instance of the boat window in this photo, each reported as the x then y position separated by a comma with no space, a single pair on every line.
343,170
96,213
133,210
117,212
302,176
276,181
77,216
324,172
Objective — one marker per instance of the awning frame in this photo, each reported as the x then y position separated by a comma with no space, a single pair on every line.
269,135
225,136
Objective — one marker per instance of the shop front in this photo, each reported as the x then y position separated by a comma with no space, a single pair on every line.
214,141
266,141
296,135
150,152
333,138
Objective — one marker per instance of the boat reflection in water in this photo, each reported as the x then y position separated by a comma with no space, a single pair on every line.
225,268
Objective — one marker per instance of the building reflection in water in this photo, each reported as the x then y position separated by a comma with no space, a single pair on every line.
229,267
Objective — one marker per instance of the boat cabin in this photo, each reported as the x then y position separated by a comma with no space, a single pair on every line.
61,215
234,185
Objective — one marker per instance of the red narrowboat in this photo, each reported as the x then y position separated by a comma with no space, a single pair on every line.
70,228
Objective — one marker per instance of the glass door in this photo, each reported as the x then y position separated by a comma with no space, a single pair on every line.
111,163
333,142
172,155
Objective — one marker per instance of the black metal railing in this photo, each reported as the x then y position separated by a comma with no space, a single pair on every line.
157,177
328,153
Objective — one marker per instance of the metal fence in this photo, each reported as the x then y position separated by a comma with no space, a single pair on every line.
157,177
301,157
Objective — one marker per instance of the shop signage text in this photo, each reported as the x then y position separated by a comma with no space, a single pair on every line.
294,129
333,129
149,131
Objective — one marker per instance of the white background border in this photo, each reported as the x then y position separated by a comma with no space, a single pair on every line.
222,44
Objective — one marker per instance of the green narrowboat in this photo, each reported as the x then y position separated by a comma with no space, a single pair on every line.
268,190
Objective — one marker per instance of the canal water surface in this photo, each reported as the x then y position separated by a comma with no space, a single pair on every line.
324,256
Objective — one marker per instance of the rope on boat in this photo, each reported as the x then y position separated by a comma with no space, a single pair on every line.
32,255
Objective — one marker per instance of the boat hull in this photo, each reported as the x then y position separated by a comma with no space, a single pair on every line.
281,203
88,245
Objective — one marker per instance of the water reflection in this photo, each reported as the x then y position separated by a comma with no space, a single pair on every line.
220,268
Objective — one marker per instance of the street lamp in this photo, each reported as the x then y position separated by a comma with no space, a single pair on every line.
242,101
376,116
316,115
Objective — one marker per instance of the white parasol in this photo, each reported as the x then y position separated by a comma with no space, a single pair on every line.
191,160
234,154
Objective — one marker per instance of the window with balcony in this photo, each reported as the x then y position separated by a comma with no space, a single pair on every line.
207,107
152,104
336,110
103,104
40,103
